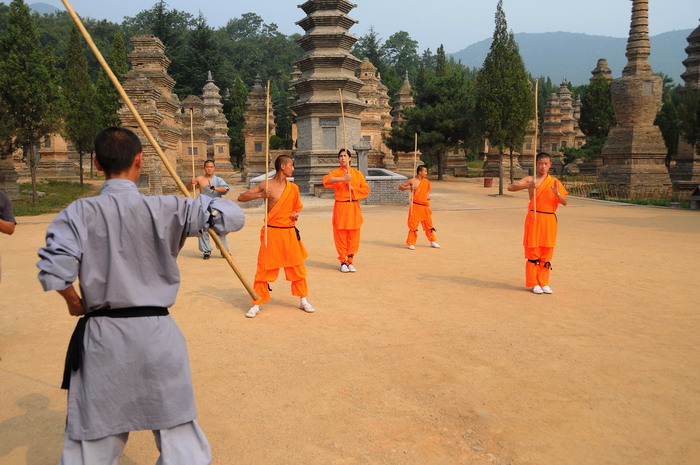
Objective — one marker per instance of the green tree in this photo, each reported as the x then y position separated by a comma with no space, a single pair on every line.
107,95
668,122
370,46
201,55
690,115
236,101
401,53
171,27
26,84
597,114
439,117
81,115
503,92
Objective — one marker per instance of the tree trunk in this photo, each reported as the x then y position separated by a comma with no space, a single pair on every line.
512,171
32,170
500,171
80,165
441,164
91,164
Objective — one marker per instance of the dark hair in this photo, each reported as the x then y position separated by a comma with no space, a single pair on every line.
281,160
209,161
543,155
420,167
346,151
116,148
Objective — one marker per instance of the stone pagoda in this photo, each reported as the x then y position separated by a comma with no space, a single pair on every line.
601,69
254,132
216,126
403,99
376,118
634,153
150,89
685,173
558,128
326,67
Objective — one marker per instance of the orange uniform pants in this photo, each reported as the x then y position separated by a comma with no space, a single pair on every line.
347,243
295,274
413,230
538,265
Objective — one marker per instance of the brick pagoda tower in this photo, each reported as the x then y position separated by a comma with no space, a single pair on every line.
326,67
150,88
634,153
685,174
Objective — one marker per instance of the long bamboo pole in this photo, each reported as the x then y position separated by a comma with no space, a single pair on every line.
534,162
267,153
415,159
345,138
152,141
194,191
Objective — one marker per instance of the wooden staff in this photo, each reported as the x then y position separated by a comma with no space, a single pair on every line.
415,157
534,163
152,141
267,152
194,192
345,137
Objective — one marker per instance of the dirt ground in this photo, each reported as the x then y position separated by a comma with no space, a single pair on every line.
421,357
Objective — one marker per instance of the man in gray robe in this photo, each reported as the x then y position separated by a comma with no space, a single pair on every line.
134,373
215,187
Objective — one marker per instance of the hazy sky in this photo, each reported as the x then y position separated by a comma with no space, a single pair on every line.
454,23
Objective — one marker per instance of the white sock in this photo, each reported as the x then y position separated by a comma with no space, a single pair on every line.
303,301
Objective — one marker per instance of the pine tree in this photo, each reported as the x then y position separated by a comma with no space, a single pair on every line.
26,84
107,95
81,115
502,91
668,122
440,116
237,99
597,114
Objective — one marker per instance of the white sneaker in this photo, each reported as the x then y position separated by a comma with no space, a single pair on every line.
307,307
254,310
547,290
344,268
411,247
537,290
435,245
351,268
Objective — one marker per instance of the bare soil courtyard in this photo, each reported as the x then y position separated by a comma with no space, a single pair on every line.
432,356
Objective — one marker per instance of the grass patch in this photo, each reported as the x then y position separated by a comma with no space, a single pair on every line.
57,196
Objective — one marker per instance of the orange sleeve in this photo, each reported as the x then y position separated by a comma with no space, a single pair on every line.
327,180
360,188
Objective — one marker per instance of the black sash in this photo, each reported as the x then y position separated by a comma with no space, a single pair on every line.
74,356
287,227
421,204
343,201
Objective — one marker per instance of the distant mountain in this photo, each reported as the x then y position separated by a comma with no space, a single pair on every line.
43,8
572,56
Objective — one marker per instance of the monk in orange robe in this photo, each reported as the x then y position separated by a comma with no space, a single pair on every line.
284,247
419,212
541,224
350,187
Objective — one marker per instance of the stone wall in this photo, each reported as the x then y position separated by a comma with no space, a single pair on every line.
384,190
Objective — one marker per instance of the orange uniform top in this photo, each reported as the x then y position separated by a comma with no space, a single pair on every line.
284,248
347,213
542,232
421,202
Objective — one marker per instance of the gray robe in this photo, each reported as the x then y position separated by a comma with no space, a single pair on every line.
123,247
